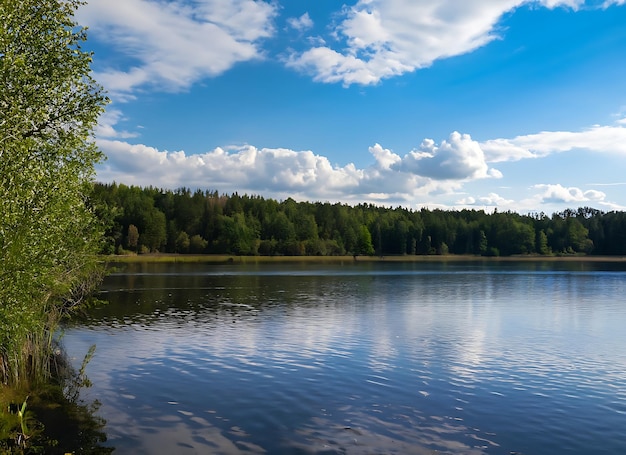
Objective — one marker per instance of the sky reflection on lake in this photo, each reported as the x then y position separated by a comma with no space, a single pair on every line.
360,359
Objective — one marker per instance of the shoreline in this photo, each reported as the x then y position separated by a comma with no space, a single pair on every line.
233,259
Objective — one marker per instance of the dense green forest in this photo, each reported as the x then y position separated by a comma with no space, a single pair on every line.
181,221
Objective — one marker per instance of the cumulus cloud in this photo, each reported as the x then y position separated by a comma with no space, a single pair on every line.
245,168
107,122
378,39
174,44
606,139
457,158
282,172
491,200
301,23
422,177
557,194
543,197
385,158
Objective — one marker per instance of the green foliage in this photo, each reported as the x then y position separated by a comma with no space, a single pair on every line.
132,238
49,105
251,225
182,242
542,243
365,242
52,419
18,428
197,244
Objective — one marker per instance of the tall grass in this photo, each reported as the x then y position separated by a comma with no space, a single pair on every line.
29,323
28,352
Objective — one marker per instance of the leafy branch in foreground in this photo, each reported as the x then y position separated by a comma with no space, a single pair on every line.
49,105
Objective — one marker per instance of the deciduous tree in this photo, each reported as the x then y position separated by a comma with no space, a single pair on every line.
49,104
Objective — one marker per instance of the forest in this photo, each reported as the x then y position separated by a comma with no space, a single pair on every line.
150,220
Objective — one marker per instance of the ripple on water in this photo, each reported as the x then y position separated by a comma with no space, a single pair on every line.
401,363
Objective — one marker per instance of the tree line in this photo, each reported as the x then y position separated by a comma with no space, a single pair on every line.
150,219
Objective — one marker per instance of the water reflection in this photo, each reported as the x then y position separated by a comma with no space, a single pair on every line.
361,359
69,426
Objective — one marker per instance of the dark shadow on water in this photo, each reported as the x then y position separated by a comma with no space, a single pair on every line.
53,418
70,426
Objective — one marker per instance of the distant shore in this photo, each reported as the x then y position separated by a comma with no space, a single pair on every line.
233,259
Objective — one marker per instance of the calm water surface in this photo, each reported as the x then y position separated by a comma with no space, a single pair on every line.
458,358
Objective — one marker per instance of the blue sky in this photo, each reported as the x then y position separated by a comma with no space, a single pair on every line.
508,104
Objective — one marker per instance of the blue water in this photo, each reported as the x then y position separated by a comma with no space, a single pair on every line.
419,358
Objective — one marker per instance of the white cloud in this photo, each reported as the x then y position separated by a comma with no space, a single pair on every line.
107,122
608,184
489,202
433,175
385,158
301,23
574,4
379,39
495,200
232,169
559,194
545,197
282,173
606,139
174,44
612,206
458,158
467,201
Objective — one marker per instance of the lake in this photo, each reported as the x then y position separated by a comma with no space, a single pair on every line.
360,358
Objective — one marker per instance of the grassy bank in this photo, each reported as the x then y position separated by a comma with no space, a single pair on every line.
232,259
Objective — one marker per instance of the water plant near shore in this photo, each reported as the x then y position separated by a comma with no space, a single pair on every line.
52,418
